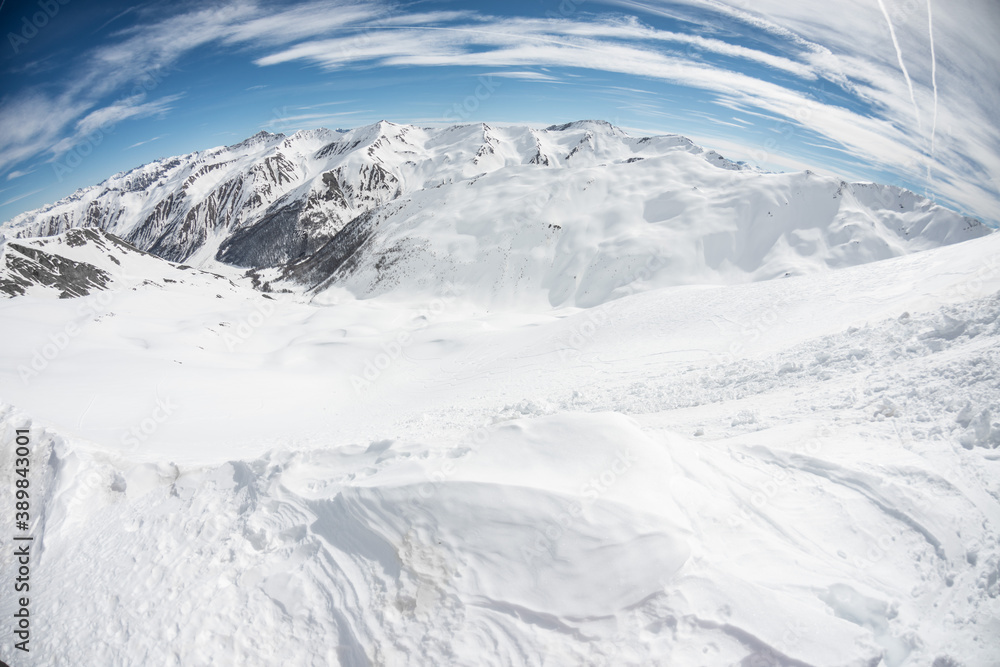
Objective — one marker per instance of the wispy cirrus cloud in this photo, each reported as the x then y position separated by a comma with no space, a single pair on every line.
36,122
105,119
33,122
524,76
292,121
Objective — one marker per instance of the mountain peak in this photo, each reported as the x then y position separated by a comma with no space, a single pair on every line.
579,124
262,137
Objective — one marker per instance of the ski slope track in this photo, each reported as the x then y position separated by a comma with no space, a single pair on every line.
487,395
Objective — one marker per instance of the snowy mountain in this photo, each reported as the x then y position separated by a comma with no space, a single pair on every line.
575,213
272,198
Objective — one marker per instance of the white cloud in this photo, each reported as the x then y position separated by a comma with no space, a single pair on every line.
311,119
31,123
526,76
19,197
37,123
113,114
103,120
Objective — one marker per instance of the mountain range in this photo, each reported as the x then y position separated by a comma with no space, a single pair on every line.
571,214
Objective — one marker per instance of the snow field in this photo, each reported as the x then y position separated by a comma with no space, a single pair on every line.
609,486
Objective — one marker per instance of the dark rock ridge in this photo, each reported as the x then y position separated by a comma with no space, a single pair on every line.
24,266
79,262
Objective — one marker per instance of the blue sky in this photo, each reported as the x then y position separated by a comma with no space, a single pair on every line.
896,91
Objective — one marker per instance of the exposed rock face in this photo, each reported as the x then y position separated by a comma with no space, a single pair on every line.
80,262
24,266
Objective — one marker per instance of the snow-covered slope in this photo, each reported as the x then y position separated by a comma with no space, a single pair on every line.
80,262
584,235
786,472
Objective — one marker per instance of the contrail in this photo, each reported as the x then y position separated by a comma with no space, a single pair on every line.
902,66
930,29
